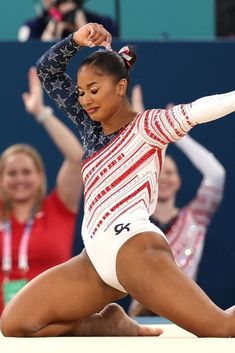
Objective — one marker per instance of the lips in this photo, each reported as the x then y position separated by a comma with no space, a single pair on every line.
91,111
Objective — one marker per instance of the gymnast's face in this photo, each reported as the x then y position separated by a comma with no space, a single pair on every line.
20,179
99,94
169,180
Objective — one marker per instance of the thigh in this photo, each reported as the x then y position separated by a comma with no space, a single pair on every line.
146,269
67,292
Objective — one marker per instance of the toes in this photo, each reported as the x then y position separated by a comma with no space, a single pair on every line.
149,331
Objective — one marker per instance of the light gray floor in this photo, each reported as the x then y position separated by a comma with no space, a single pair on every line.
173,340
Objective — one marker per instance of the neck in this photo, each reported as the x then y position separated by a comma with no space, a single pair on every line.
165,210
122,117
22,210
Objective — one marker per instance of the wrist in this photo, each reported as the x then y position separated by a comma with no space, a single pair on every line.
76,40
45,113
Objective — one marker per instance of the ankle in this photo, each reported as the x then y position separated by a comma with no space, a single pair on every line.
111,318
230,313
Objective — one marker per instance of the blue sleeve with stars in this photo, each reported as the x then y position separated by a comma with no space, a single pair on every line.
51,69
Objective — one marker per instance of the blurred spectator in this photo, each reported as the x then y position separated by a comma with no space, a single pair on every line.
186,227
37,231
56,19
225,18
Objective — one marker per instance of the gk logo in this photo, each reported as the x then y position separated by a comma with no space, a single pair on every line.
120,227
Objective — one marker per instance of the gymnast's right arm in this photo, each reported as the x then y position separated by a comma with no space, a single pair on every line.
51,69
52,65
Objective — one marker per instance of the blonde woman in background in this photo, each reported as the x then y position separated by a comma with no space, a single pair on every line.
37,231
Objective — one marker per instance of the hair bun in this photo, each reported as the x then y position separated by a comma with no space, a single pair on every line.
129,56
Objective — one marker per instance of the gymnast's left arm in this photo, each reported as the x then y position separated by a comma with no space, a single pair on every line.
210,108
162,126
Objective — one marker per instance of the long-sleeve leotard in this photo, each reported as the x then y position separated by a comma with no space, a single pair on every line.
120,171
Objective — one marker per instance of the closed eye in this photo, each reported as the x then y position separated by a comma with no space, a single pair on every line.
81,93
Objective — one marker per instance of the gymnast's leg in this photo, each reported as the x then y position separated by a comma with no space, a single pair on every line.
69,299
163,288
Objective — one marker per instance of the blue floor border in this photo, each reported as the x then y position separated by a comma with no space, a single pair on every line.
152,320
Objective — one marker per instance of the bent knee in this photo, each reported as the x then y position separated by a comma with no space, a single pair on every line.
13,326
9,326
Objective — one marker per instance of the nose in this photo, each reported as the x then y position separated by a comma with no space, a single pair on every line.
86,100
162,178
19,178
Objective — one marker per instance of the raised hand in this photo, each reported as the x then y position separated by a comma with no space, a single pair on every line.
93,34
137,101
33,100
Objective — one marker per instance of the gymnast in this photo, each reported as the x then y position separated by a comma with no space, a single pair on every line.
124,252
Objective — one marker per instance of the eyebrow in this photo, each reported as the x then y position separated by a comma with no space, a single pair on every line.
90,84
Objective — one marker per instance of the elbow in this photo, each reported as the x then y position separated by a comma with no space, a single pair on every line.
76,159
217,178
221,174
216,172
43,68
39,67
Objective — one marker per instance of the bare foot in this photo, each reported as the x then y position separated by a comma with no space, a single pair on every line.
118,323
231,315
231,310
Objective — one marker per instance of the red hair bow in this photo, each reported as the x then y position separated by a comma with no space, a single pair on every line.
125,54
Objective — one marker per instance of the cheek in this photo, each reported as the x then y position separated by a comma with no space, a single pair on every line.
176,183
6,181
7,186
111,90
114,103
34,180
39,180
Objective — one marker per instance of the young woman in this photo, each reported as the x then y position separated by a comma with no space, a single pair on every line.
124,252
185,228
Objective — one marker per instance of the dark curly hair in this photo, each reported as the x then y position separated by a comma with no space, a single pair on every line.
112,63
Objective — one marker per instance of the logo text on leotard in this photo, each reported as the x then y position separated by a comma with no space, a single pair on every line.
120,227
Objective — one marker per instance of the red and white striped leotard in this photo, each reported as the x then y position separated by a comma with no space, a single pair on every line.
123,175
120,182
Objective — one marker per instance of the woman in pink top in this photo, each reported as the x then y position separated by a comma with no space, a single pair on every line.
185,228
